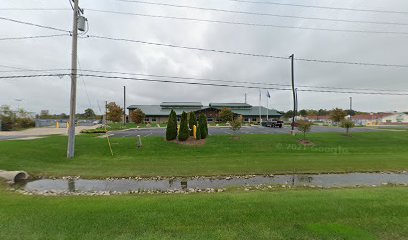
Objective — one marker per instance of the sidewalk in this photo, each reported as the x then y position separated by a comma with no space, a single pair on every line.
42,131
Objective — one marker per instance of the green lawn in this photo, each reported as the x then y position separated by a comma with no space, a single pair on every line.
377,213
252,154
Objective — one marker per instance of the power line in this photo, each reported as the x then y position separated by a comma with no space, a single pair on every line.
34,9
203,84
247,23
208,79
33,24
263,14
248,54
236,86
33,37
230,81
34,70
12,67
35,76
320,7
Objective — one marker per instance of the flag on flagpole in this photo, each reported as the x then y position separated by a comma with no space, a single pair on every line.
268,95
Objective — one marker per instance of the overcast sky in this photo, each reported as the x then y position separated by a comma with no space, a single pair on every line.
54,53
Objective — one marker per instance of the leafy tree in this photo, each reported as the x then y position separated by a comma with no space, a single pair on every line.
236,124
304,127
351,112
137,116
303,112
322,112
288,114
226,115
312,112
115,112
202,123
171,130
183,133
347,124
192,121
337,115
89,113
7,117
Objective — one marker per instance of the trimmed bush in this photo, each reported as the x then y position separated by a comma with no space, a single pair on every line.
202,124
90,131
191,122
171,130
198,133
184,133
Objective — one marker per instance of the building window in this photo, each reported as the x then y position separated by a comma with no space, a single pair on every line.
253,119
147,119
209,119
153,119
246,119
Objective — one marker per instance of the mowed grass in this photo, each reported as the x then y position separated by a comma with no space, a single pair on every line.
359,214
252,154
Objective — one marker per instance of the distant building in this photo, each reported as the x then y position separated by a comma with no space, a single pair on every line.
160,113
380,119
323,120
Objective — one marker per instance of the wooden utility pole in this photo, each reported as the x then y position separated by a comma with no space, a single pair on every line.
292,57
72,110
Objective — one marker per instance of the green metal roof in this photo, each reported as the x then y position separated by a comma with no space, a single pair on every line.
181,104
230,105
158,110
254,111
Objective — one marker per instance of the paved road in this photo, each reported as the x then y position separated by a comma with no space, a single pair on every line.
227,131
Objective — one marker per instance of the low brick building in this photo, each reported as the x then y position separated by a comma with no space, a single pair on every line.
160,113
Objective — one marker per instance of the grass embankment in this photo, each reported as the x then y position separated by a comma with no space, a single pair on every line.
359,214
252,154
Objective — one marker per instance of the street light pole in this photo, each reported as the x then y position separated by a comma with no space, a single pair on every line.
72,111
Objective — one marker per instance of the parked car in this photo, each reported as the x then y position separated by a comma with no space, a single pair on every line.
273,123
97,122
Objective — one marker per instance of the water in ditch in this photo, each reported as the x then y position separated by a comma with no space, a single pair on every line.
179,184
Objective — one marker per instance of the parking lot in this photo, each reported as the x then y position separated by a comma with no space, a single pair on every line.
228,131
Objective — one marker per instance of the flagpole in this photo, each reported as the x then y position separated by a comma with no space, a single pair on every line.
267,109
260,115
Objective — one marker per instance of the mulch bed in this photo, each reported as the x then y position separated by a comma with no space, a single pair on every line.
190,142
305,142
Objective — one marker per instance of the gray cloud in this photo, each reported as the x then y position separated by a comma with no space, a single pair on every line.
53,93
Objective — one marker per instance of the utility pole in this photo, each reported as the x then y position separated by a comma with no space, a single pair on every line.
106,113
245,98
292,57
351,104
124,105
72,110
297,102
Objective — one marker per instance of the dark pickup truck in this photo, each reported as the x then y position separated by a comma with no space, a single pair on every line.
273,123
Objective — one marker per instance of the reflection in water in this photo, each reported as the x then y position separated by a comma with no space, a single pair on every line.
171,181
304,179
119,185
71,185
184,185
